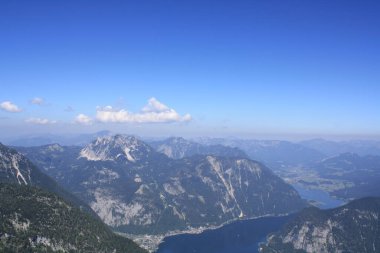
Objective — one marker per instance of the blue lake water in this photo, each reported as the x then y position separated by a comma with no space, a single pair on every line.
242,236
322,198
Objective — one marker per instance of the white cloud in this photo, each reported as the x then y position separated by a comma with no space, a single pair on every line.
38,101
40,121
153,112
9,107
155,106
83,119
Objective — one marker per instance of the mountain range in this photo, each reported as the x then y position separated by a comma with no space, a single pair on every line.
153,188
334,148
178,147
136,189
276,154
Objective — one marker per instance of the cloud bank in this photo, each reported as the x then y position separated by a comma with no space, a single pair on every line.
9,107
153,112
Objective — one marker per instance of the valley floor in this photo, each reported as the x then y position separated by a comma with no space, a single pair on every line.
309,179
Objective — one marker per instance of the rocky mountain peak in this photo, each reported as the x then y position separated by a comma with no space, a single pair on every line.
111,148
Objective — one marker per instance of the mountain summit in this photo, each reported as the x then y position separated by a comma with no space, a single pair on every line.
118,147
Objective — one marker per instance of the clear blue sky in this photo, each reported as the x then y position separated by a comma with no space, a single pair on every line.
241,68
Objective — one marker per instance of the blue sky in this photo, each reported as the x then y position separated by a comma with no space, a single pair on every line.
221,68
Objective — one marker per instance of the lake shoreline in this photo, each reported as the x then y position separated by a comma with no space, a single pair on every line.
152,242
239,236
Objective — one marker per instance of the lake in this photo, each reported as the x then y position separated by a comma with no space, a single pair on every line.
243,236
322,198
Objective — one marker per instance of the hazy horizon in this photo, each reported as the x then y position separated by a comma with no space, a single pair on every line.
196,137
